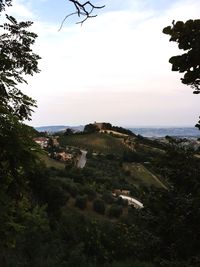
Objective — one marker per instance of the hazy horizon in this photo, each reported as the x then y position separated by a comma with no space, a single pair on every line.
126,126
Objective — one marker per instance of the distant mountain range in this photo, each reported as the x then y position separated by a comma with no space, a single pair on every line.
171,131
58,128
144,131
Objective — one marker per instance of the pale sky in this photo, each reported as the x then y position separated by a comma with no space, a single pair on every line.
114,68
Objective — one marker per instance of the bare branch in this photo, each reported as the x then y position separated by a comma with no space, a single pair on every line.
85,10
82,21
74,13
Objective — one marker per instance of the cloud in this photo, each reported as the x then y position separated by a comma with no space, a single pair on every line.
21,9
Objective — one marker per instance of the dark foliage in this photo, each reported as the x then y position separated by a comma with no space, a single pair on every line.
81,202
187,35
91,128
4,3
99,206
115,211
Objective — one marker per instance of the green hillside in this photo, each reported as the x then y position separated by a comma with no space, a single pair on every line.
110,171
52,162
140,174
95,142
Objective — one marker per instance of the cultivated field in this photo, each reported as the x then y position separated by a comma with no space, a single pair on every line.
52,162
95,142
141,174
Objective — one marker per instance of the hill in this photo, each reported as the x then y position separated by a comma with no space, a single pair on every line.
117,158
144,131
70,216
95,142
163,131
58,128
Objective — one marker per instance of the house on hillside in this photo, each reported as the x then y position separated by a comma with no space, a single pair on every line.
118,192
132,202
125,195
42,141
99,125
63,156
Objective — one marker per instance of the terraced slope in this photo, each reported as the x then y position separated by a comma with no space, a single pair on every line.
140,174
96,142
52,162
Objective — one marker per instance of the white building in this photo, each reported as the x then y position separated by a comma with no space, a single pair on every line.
132,202
42,141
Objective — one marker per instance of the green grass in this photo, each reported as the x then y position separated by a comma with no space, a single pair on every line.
51,162
141,174
96,142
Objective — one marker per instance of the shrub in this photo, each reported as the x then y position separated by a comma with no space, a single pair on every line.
81,202
115,211
90,193
108,198
99,206
73,190
110,156
122,202
131,156
67,195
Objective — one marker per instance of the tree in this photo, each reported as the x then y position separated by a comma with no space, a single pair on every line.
81,202
99,206
16,60
17,157
4,3
187,35
198,124
115,211
91,128
68,131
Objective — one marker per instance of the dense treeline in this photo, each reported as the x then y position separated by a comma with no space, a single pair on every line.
93,127
40,228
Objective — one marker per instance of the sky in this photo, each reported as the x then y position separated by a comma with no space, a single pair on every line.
113,68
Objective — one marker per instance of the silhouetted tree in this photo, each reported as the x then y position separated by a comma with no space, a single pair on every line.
68,131
91,128
99,206
187,35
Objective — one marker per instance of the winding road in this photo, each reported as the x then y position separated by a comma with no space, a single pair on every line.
82,160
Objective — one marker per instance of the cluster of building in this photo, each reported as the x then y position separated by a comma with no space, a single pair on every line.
42,141
58,154
187,143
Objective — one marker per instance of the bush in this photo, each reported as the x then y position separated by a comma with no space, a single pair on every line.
108,198
73,190
131,156
81,202
91,194
55,196
122,202
115,211
99,206
110,156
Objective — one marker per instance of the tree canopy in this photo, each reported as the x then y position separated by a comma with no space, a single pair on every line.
4,3
187,35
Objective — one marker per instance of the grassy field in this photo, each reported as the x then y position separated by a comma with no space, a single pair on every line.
95,142
51,162
141,174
